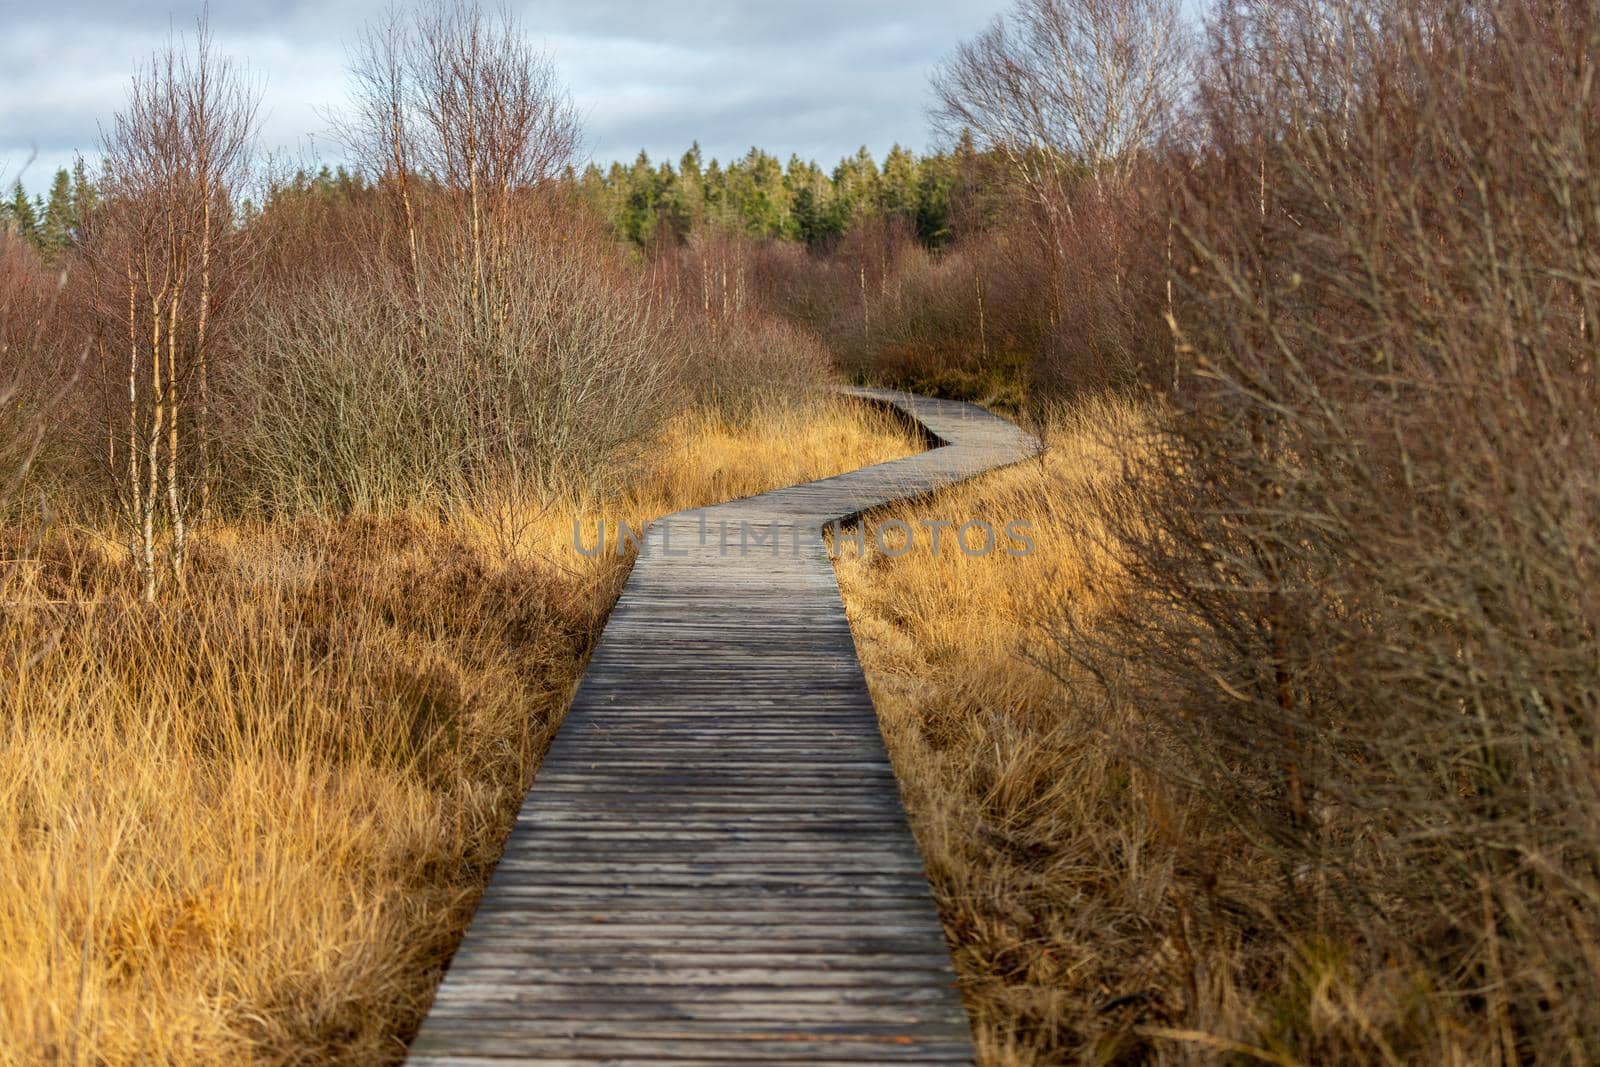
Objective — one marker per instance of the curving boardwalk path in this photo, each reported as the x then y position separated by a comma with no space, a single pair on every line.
713,864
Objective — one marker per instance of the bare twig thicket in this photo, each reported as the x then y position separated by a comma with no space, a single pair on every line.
163,256
461,101
530,354
1076,96
342,407
1328,697
1362,549
27,298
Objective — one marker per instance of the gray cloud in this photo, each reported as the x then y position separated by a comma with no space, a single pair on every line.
819,78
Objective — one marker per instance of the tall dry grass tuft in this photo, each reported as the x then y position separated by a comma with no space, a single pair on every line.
249,825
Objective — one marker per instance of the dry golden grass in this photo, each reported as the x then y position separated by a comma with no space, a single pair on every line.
249,825
1047,848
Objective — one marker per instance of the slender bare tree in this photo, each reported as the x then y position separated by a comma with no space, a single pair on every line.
378,131
461,102
1062,86
176,158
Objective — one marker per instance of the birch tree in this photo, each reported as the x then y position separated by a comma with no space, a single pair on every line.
459,102
176,158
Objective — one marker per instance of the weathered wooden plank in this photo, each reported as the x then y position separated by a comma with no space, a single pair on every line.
712,1030
791,896
485,1043
713,865
494,1002
842,967
716,929
813,994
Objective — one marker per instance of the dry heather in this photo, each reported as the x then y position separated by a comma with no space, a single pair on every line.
251,825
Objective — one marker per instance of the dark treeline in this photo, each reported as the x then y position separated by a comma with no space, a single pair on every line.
758,196
932,197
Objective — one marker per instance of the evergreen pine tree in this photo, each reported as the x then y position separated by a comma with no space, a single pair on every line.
690,166
23,218
936,180
684,199
969,183
755,199
60,225
808,201
855,189
639,209
716,192
897,186
593,191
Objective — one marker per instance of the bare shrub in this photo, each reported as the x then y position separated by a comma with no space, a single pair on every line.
988,318
1110,292
1363,545
27,304
752,360
730,307
516,350
341,405
889,310
1077,96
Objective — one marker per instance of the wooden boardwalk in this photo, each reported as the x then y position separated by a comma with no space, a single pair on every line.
713,865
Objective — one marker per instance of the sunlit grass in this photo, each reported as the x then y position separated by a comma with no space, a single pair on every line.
250,824
1017,802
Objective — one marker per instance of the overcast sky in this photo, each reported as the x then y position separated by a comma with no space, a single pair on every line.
818,77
